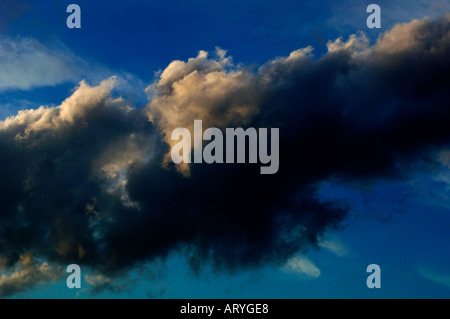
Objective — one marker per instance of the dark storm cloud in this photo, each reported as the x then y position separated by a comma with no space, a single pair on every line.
89,182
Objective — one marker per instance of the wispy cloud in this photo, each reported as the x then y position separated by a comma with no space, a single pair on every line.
335,247
25,63
440,278
303,267
26,274
100,283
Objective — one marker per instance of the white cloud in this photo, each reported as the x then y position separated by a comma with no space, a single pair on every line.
303,267
335,247
74,107
356,43
25,63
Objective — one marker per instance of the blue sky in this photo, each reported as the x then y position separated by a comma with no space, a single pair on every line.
408,240
143,37
403,226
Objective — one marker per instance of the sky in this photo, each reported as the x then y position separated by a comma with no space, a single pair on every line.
86,117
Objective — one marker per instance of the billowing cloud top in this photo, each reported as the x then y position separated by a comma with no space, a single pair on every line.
88,181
